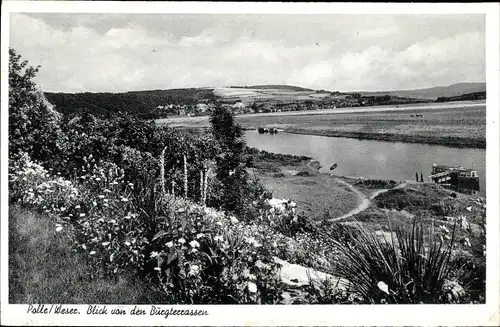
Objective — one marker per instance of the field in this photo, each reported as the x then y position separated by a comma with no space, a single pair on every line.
278,94
457,124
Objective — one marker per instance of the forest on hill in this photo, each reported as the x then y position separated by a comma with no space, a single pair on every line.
141,103
464,97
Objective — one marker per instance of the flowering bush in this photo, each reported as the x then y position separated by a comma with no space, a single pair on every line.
33,186
199,255
204,256
106,223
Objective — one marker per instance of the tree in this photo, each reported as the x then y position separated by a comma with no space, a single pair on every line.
229,135
33,122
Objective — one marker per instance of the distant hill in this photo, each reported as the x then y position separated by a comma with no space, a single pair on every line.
433,93
158,103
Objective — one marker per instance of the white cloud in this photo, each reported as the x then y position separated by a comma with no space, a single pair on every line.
203,39
133,56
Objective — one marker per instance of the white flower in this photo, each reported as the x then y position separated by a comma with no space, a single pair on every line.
194,270
200,235
127,243
82,215
274,244
124,199
252,288
194,244
92,252
59,228
77,206
94,203
259,264
154,254
63,209
170,244
383,287
233,220
219,223
105,243
157,268
107,191
218,238
100,196
444,229
181,240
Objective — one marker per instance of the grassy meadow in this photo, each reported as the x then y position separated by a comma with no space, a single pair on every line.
447,124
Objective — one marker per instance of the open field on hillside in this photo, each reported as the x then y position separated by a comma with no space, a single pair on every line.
250,95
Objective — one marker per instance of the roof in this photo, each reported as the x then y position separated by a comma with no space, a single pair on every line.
453,167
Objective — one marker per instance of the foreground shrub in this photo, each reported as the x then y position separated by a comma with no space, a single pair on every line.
204,256
408,267
33,186
33,122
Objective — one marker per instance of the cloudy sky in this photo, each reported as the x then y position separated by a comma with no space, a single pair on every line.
122,52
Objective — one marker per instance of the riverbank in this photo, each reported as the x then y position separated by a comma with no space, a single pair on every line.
461,125
324,196
456,142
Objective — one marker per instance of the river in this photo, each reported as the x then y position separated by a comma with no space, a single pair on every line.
371,159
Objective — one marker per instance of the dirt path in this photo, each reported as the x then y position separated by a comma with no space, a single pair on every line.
365,202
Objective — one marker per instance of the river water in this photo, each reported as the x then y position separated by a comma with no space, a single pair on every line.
371,159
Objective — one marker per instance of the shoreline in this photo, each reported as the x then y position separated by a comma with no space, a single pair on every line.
452,142
455,142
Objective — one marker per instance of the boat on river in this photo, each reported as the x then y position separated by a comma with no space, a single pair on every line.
265,130
332,167
457,177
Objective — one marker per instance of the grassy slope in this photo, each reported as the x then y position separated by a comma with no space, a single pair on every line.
317,194
42,269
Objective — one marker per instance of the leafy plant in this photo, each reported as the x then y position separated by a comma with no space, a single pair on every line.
204,256
33,122
409,267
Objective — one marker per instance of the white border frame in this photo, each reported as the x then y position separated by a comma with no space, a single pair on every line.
280,315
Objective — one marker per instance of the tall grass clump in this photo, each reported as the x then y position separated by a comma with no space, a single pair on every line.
410,266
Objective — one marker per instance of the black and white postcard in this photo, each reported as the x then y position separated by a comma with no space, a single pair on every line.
277,164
